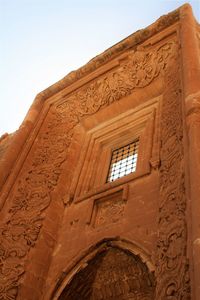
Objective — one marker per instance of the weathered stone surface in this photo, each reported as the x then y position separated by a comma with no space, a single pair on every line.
112,274
67,233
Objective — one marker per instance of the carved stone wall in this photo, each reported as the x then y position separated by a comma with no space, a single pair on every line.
40,175
33,192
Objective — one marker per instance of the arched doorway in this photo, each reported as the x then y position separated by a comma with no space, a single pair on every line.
113,274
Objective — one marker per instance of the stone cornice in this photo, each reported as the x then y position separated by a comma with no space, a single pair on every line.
131,41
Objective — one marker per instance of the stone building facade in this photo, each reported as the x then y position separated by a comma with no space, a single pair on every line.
71,231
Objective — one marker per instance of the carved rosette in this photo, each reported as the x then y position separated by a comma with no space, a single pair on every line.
172,269
41,171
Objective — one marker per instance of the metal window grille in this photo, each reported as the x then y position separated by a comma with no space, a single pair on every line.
123,161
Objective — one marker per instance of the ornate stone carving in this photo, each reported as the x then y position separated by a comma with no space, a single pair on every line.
112,275
32,193
109,211
137,72
133,40
172,269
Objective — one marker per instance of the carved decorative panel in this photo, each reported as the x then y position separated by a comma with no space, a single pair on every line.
112,275
137,72
108,210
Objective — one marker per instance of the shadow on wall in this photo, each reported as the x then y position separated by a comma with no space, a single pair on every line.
113,273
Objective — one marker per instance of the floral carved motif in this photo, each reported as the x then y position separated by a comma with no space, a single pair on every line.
41,171
137,72
172,269
109,211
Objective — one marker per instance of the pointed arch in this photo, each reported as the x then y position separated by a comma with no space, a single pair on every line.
111,269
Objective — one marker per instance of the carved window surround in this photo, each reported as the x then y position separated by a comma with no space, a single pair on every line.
141,122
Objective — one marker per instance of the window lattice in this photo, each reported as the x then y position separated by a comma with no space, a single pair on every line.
123,161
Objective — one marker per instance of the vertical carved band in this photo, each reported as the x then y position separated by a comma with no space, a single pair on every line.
172,270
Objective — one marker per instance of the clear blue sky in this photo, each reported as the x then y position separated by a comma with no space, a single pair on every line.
43,40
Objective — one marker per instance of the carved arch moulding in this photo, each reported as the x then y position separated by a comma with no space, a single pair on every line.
120,255
39,176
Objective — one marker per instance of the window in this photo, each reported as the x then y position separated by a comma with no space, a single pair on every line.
123,161
102,165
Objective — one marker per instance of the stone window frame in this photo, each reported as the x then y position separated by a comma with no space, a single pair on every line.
140,122
130,161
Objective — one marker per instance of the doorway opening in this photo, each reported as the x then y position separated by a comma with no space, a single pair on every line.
113,274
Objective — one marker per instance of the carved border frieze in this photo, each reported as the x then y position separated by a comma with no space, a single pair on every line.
131,41
172,264
141,68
